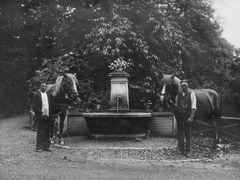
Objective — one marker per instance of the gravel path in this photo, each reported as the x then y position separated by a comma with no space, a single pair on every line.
108,158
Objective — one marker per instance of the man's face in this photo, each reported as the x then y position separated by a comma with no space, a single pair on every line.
184,88
43,87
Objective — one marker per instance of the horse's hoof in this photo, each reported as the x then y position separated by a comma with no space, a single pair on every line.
188,154
61,143
52,141
218,147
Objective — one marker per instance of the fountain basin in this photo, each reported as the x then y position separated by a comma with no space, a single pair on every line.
113,124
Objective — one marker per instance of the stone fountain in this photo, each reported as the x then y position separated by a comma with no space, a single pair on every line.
119,120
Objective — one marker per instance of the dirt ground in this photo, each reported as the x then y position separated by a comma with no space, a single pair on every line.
83,158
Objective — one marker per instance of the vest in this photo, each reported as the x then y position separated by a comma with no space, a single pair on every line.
184,103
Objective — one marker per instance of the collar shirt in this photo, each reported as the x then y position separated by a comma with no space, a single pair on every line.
45,105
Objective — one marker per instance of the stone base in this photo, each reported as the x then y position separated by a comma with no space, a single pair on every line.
95,136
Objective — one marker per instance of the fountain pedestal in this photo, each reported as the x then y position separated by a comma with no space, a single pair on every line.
119,100
118,121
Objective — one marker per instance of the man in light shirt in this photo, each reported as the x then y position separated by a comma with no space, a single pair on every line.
41,105
187,105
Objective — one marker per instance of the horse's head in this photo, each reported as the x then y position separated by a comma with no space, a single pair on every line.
69,85
169,88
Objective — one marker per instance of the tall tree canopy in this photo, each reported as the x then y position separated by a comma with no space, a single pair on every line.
180,37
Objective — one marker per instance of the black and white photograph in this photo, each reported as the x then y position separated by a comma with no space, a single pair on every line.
119,89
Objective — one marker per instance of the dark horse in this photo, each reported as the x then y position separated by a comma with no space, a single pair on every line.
208,103
65,86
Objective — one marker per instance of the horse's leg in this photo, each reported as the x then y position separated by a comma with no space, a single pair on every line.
62,116
51,130
216,132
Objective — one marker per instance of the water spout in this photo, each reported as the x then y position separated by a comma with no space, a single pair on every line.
118,98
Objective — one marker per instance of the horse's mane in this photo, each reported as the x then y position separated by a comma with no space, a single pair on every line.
177,84
74,77
54,89
57,86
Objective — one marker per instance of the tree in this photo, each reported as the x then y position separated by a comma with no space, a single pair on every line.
177,37
151,37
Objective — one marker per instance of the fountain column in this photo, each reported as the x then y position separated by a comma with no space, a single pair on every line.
119,100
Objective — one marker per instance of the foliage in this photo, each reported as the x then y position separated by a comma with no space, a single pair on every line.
118,64
149,38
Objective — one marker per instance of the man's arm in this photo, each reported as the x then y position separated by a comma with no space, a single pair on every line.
36,104
193,106
176,101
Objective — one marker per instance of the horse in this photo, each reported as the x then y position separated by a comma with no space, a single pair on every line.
65,86
208,104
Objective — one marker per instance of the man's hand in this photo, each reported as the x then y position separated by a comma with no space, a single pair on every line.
170,101
190,119
192,115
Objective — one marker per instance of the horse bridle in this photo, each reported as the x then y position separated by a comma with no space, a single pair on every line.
168,96
69,93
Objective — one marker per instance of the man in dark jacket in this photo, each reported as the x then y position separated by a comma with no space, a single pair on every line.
42,107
